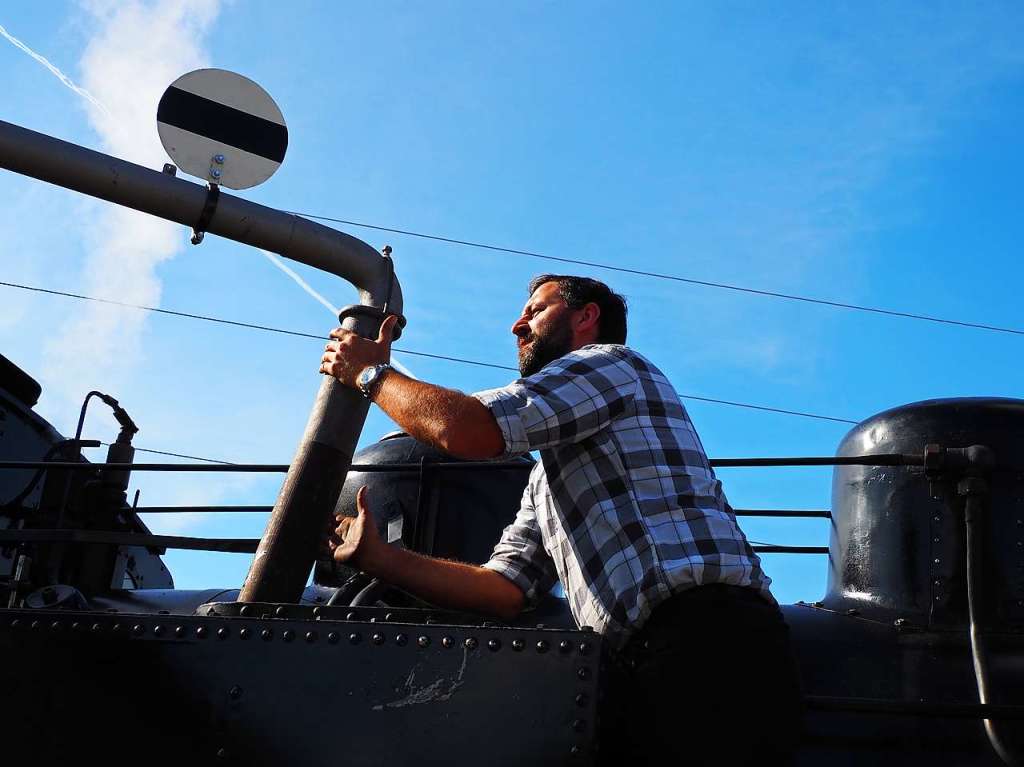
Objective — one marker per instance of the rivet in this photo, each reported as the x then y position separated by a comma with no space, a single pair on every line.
936,518
494,645
575,750
158,630
246,611
311,636
215,172
223,632
582,699
447,641
244,633
138,629
354,638
115,628
423,641
470,643
288,635
235,692
401,640
936,560
518,644
388,617
266,635
935,539
179,631
222,753
350,617
219,159
76,626
15,623
280,612
584,648
377,638
583,673
565,645
316,611
201,632
96,628
542,646
56,626
333,637
579,725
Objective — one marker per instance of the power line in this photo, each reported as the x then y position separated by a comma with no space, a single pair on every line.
321,337
674,277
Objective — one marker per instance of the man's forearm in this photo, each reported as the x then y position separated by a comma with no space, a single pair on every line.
445,583
447,419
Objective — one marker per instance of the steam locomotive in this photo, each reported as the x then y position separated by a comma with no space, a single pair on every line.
916,652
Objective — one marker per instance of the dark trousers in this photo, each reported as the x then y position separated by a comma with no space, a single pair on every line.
709,679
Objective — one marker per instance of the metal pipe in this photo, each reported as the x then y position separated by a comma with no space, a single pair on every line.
310,490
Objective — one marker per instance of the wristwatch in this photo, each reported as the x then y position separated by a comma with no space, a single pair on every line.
370,377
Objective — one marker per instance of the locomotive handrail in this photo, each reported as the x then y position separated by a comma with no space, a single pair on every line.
769,513
230,545
893,459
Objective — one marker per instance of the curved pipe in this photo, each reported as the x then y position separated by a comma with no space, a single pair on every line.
288,548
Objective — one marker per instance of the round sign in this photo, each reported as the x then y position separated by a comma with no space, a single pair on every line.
222,127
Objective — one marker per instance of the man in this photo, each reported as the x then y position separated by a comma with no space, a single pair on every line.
622,507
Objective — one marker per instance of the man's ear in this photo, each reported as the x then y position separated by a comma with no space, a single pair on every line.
587,320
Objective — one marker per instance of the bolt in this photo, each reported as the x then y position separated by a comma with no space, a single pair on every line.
518,644
179,631
494,645
470,643
215,172
244,633
565,645
76,626
584,648
937,560
138,629
116,627
542,646
222,753
388,617
316,611
574,750
582,699
333,637
583,673
219,159
288,635
223,632
235,692
423,641
401,640
56,626
95,628
447,641
310,637
266,635
158,630
280,612
579,725
354,638
935,539
350,617
246,611
201,632
377,638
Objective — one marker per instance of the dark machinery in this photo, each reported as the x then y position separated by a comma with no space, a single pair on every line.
916,652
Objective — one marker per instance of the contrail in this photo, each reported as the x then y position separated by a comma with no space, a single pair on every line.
54,70
332,309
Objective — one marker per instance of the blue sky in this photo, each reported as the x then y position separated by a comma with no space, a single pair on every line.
864,153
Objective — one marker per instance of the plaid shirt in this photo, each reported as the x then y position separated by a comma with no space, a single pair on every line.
623,507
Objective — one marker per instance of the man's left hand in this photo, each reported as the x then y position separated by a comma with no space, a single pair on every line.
349,354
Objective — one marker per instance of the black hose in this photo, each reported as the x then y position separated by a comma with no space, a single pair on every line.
972,510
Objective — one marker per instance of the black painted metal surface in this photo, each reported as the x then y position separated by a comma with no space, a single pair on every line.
898,552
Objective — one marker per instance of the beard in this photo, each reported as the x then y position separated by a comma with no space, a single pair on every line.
543,348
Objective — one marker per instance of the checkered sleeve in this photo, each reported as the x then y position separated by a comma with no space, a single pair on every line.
570,399
520,554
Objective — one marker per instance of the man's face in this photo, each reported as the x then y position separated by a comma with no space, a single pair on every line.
544,331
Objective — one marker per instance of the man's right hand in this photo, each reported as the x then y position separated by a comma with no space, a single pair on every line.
355,540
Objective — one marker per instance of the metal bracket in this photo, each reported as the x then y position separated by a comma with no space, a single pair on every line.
359,310
209,208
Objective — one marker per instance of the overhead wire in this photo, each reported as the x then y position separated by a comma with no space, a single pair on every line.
321,337
672,277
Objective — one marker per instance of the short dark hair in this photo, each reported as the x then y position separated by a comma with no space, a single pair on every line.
577,292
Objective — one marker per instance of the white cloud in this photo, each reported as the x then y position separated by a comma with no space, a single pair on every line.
138,49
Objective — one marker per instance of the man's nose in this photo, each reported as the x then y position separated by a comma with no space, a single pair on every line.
520,327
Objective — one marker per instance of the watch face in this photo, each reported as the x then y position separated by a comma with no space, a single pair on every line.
367,375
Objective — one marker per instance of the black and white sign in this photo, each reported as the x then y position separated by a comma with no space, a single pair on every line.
222,127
